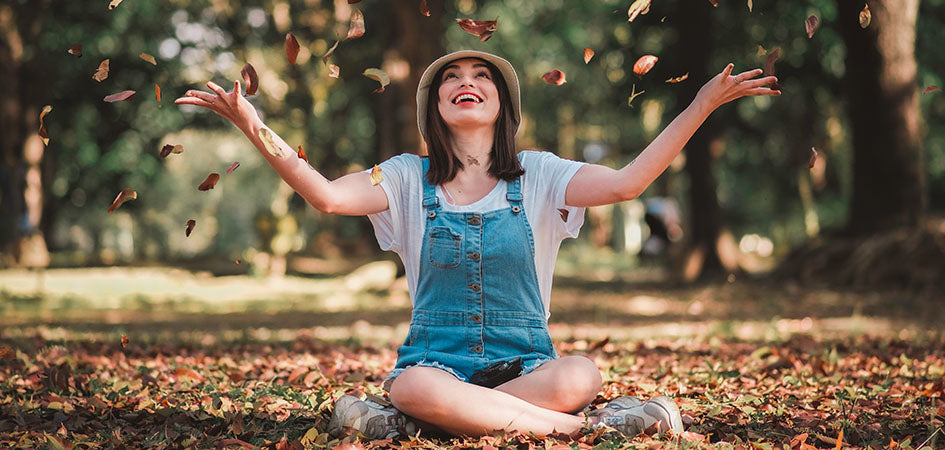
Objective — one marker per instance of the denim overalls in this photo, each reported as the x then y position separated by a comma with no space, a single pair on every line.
477,301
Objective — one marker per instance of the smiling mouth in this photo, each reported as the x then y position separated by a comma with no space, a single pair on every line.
465,98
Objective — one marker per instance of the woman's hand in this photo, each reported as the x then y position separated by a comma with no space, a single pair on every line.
725,87
231,105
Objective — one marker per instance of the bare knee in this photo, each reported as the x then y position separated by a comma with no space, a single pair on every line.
578,380
413,392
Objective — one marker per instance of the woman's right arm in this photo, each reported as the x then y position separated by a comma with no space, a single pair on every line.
352,194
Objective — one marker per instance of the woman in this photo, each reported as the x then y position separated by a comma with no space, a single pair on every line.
478,228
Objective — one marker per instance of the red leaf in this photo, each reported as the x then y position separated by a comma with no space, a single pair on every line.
250,78
102,72
638,7
124,341
424,9
811,25
351,2
302,154
481,28
714,3
813,158
930,89
232,167
588,54
123,95
644,64
188,373
209,182
76,50
239,261
190,227
770,60
291,48
356,29
123,196
555,77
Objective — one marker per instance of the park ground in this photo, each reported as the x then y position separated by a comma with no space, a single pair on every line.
168,358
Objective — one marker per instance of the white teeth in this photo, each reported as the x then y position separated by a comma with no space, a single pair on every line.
466,96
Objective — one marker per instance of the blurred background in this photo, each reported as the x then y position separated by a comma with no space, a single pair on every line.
744,201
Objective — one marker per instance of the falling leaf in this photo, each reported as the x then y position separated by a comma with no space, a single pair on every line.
291,48
865,16
770,60
333,71
424,9
351,2
210,182
102,72
168,149
329,52
749,5
239,260
301,154
481,28
813,158
377,75
644,64
376,176
250,78
266,137
190,227
555,77
117,97
356,28
811,25
123,196
124,341
714,3
157,93
633,94
638,7
148,58
232,167
588,54
762,51
114,4
42,126
76,50
682,77
930,89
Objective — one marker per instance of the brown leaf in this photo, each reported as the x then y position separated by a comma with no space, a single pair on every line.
188,373
124,341
811,25
117,97
682,77
102,72
770,60
157,93
865,16
356,28
168,149
123,196
223,443
555,77
113,4
749,5
329,52
481,28
302,154
714,3
638,7
239,261
333,71
930,89
250,79
269,142
813,158
76,50
424,9
351,2
291,48
42,126
376,176
190,227
7,353
644,64
210,182
588,54
377,75
232,167
148,58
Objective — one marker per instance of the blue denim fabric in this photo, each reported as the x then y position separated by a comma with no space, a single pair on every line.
477,300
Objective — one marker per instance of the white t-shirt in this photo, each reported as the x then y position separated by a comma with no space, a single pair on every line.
400,228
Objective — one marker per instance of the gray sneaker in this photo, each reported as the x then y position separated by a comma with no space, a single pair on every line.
636,417
372,420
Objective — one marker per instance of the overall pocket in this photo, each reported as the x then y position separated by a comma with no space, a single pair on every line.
444,247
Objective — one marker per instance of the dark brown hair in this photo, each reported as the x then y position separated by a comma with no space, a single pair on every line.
444,165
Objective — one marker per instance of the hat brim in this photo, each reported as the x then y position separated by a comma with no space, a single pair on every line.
505,68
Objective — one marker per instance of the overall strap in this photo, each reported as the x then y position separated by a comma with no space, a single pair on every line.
514,193
429,192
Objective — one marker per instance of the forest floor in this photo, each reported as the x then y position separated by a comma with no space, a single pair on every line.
160,357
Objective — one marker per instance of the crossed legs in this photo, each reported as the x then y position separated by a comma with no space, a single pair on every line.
540,402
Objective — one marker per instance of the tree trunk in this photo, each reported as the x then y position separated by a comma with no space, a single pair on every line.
883,105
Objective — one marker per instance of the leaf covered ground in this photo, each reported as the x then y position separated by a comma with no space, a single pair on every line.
768,379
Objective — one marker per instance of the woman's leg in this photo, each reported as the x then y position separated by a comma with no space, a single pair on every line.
567,384
437,397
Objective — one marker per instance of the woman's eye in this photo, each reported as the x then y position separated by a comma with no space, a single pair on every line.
448,76
482,74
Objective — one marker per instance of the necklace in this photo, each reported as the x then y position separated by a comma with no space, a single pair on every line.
450,198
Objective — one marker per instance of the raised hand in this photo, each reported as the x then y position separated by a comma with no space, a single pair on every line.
726,87
231,105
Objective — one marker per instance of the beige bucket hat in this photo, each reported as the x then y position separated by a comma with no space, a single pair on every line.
505,68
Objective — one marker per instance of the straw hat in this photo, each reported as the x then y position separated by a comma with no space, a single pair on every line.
505,68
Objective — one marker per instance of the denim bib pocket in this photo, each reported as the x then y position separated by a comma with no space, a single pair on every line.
444,247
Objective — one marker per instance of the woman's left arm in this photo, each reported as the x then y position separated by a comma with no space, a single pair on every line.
595,185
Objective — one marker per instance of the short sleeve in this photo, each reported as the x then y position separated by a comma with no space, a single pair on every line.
552,174
390,224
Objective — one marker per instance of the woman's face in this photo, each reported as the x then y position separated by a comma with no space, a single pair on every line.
468,97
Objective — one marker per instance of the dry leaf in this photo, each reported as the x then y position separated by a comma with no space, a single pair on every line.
588,54
124,341
210,182
356,28
266,137
301,154
123,196
351,2
232,167
291,48
424,9
376,176
644,64
76,50
481,28
333,71
117,97
679,78
157,93
250,79
113,4
42,126
749,6
102,72
329,52
930,89
840,439
555,77
638,7
188,373
762,51
168,149
865,16
190,227
813,158
377,75
239,260
811,25
770,60
148,58
714,3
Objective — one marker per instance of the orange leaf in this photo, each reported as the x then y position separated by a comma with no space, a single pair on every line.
481,28
840,439
157,93
42,127
188,373
682,77
638,7
190,227
302,154
291,48
209,182
865,16
117,97
232,167
356,29
644,64
124,341
333,71
555,77
148,58
376,176
424,9
250,78
123,196
102,72
588,54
